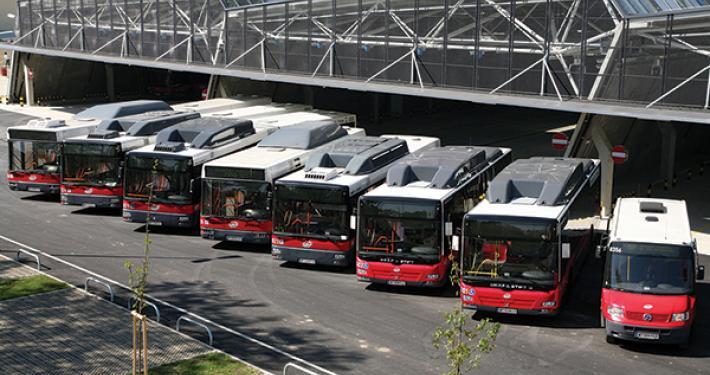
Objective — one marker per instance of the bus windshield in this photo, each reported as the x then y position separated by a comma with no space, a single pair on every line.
649,268
509,249
311,211
408,229
34,156
170,181
92,164
240,199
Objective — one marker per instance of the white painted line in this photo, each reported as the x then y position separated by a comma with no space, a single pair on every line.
562,129
227,329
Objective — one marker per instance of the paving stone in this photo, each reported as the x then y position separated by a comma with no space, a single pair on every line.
69,331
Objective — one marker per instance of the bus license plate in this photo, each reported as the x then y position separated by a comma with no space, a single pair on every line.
306,261
156,223
234,238
647,335
396,282
88,205
507,311
35,189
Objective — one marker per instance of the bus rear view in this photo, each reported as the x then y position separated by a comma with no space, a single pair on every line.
648,293
525,241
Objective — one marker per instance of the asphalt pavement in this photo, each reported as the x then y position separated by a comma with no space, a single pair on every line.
325,316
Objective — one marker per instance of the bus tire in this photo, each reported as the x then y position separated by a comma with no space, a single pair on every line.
610,339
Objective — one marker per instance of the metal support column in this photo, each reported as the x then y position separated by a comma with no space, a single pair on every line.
669,138
603,146
29,85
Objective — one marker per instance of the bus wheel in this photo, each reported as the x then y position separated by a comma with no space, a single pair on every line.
610,339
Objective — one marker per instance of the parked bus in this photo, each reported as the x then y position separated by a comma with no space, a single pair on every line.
35,148
409,228
237,189
92,167
314,208
650,270
525,241
171,168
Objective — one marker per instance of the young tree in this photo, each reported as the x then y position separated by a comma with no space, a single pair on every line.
463,345
138,282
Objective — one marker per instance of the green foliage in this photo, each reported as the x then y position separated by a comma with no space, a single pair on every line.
214,363
26,286
138,274
463,345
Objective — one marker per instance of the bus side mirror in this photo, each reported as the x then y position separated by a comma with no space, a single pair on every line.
448,228
353,222
455,243
566,250
701,273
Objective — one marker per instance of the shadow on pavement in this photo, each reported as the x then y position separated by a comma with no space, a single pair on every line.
42,198
350,270
98,211
170,231
240,246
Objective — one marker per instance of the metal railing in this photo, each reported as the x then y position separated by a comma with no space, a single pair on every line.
187,319
104,283
33,255
147,303
292,365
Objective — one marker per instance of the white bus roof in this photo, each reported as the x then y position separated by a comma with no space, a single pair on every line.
222,104
433,174
350,156
650,220
539,187
250,114
83,122
274,161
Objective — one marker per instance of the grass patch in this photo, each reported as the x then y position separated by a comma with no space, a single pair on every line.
214,363
27,286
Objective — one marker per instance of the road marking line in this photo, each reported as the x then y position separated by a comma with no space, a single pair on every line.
180,309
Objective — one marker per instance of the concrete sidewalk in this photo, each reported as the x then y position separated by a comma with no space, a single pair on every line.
70,331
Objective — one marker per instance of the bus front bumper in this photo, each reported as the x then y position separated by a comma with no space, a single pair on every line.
236,236
511,311
421,284
34,187
659,335
160,218
310,256
91,200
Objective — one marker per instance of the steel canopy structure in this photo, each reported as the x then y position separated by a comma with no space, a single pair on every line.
641,58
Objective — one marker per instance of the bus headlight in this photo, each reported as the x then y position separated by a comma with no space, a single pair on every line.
549,304
467,298
615,312
362,272
362,265
432,276
680,317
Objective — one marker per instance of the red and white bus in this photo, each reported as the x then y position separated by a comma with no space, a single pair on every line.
314,208
92,165
409,228
237,189
648,293
526,241
35,148
171,169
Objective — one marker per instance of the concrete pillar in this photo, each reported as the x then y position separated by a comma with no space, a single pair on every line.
212,86
577,135
308,96
29,85
669,137
110,83
375,108
603,146
396,105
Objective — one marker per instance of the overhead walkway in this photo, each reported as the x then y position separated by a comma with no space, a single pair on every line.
645,59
